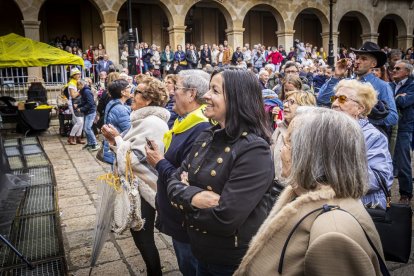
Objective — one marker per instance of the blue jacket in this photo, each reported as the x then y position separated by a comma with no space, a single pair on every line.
119,118
379,159
179,56
405,105
384,93
169,220
87,105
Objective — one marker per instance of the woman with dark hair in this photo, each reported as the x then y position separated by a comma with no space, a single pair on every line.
117,112
222,186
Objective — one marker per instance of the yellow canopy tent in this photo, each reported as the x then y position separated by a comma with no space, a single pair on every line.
18,51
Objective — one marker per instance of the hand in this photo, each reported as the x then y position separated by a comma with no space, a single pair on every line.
153,155
205,199
109,132
341,69
184,178
75,106
276,110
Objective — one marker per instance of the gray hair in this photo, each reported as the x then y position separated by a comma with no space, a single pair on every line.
262,71
269,66
197,80
408,66
83,82
328,148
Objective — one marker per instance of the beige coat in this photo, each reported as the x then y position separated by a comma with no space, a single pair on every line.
279,134
333,244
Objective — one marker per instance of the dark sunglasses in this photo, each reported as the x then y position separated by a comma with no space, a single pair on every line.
341,99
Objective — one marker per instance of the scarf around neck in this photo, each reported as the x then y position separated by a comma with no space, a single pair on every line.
192,119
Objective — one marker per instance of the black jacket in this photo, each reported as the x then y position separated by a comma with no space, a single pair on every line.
241,172
190,58
235,57
204,56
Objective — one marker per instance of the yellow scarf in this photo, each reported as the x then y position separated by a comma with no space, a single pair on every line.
192,119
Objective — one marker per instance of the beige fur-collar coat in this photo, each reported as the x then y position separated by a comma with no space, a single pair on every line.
333,244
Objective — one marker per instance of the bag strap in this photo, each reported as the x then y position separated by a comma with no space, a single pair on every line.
324,209
383,186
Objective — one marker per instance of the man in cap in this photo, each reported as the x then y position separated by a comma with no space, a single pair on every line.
369,56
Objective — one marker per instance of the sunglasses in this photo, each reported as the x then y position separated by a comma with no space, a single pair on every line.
342,99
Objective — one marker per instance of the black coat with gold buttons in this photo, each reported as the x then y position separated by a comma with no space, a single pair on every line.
241,172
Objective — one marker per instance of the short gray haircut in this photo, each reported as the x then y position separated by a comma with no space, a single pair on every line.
262,72
83,82
328,148
197,80
269,66
408,66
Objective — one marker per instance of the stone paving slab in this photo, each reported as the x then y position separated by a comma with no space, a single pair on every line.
76,173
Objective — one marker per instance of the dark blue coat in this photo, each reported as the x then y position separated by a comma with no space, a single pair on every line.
87,105
170,220
405,105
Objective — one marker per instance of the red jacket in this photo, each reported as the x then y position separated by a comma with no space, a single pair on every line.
275,57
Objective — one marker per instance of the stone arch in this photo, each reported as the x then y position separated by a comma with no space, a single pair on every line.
366,24
309,25
318,9
152,22
260,23
224,8
30,11
278,16
390,27
11,18
98,5
351,25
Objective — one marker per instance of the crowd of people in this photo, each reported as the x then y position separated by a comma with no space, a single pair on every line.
210,146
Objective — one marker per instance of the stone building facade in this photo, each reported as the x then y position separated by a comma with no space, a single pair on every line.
271,22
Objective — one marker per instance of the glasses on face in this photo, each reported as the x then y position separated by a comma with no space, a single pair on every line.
289,102
176,87
342,99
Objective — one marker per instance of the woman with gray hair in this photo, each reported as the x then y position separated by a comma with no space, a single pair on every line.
190,87
357,99
299,237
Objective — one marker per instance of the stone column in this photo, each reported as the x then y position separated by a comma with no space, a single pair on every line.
177,36
235,37
110,40
32,31
373,37
405,41
285,38
325,42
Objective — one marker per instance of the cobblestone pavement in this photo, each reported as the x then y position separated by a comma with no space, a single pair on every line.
76,173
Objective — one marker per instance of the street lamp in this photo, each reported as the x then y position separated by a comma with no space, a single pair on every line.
132,64
331,57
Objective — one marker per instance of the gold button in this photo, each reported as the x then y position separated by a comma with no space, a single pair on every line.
213,173
197,229
209,188
181,207
204,232
203,144
196,154
244,133
175,205
172,203
189,165
219,160
227,149
191,226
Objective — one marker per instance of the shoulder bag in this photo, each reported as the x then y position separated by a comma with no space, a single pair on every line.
327,208
394,226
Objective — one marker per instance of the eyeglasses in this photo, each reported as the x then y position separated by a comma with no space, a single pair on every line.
176,87
342,99
289,102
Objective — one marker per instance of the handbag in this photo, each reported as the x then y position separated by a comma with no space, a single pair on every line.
183,63
127,205
394,226
327,208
